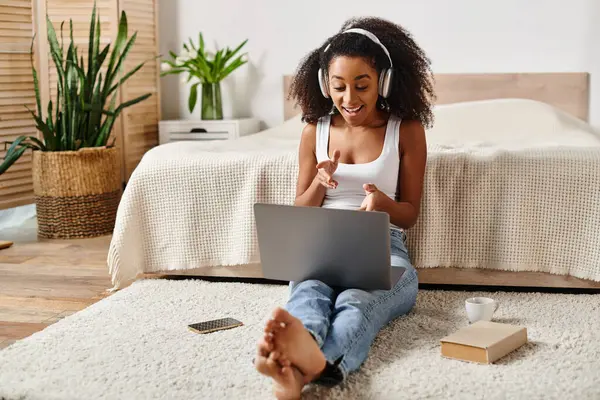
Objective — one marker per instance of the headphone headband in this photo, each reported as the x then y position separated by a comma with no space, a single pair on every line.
370,36
384,86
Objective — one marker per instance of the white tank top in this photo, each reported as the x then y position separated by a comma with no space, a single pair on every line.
383,171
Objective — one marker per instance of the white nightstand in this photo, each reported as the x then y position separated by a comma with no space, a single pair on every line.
225,129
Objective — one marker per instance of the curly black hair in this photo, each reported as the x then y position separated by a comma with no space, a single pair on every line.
412,93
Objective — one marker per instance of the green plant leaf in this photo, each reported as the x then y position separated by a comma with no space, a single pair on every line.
131,103
95,58
193,97
116,51
50,138
36,85
234,52
106,127
104,133
127,76
74,83
70,87
42,126
25,141
172,72
192,45
120,62
93,49
232,67
216,70
15,144
109,113
62,49
200,43
57,56
95,115
37,144
171,64
53,41
102,57
28,145
10,159
204,71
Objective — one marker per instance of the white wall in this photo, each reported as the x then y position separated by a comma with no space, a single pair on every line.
458,36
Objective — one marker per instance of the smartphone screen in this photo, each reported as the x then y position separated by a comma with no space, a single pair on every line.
215,325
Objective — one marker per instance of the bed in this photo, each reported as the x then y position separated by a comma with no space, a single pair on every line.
512,191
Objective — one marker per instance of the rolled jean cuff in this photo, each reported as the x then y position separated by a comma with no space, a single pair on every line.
315,336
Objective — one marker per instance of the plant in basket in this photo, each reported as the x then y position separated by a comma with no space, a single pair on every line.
76,168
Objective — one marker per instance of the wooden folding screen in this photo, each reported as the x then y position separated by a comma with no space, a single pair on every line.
136,131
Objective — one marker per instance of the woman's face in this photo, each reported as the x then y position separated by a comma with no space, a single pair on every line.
353,86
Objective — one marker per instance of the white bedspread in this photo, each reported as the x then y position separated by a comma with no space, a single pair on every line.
509,201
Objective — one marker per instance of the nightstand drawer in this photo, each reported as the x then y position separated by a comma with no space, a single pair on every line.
180,130
178,136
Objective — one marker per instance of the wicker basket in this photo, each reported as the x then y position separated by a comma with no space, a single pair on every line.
77,193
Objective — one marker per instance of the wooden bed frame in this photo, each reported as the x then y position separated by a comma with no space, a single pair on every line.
566,91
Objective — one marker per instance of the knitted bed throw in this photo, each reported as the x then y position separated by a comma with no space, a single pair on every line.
535,208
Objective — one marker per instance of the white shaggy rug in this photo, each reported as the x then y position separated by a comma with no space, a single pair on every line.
135,345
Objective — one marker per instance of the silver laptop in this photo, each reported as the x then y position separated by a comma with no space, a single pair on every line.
343,248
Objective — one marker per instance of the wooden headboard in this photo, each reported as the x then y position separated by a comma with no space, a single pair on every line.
568,91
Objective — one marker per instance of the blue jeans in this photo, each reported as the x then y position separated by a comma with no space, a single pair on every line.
344,322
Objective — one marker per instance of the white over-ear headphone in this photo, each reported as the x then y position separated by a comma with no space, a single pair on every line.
385,77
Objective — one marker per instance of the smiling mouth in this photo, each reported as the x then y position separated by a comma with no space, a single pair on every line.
353,110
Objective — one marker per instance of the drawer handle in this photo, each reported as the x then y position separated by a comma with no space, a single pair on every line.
198,130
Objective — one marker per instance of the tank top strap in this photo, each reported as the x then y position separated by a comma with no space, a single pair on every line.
392,135
322,139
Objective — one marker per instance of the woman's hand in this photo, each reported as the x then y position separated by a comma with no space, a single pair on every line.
375,200
327,169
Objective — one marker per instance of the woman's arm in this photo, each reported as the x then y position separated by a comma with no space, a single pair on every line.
309,190
413,150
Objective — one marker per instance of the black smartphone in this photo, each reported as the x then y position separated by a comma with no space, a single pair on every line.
215,325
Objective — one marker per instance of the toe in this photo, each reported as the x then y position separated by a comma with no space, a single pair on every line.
264,348
268,365
284,361
269,339
281,358
286,374
282,316
272,364
273,325
261,366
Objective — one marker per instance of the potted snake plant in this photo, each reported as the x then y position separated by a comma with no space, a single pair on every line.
76,168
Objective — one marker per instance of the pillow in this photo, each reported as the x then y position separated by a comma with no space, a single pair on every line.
508,123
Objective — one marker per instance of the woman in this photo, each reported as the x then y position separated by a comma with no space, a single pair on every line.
366,96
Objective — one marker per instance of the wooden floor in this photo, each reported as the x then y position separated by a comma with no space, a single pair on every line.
42,281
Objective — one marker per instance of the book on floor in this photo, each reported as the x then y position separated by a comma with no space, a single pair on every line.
483,342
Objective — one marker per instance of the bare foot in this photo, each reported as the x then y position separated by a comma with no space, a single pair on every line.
270,346
287,381
294,344
289,385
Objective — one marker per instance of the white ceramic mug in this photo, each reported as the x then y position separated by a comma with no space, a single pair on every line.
480,308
